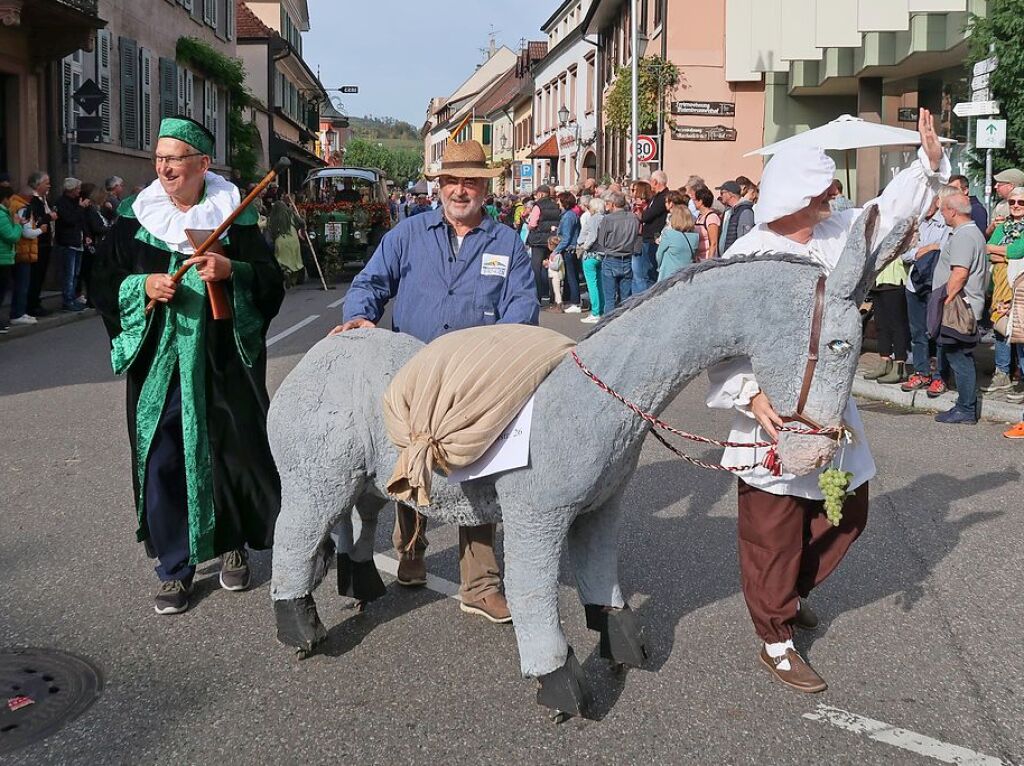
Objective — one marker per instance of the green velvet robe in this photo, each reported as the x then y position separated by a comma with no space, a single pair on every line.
234,492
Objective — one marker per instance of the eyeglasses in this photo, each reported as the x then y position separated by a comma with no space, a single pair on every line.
174,161
1016,202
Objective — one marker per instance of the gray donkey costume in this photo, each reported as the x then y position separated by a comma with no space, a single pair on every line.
332,451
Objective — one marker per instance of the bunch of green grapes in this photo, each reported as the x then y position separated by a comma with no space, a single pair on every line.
833,484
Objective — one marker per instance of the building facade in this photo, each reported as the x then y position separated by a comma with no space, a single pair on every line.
135,63
34,36
288,93
565,99
457,116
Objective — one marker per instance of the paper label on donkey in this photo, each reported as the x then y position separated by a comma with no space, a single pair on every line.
510,450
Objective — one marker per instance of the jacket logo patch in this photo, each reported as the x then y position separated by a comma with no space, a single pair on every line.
494,265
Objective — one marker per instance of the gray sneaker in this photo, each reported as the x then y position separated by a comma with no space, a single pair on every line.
172,598
234,570
1000,382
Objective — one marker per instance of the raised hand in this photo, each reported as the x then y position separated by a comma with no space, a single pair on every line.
929,138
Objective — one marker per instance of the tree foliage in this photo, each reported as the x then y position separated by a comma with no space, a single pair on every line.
383,127
657,81
1003,27
400,165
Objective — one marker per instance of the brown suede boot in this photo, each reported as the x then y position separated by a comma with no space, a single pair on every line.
884,368
898,374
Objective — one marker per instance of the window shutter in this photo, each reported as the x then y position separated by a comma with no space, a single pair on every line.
129,54
229,19
208,90
210,12
189,93
187,4
146,99
181,91
215,120
168,88
103,41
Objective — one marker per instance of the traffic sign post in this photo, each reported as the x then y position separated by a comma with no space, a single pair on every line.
646,148
976,108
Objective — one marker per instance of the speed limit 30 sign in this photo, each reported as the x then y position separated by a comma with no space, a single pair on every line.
646,148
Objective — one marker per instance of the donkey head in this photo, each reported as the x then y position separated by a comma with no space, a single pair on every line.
840,339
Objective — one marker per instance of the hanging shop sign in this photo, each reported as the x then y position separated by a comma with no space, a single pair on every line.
704,108
703,133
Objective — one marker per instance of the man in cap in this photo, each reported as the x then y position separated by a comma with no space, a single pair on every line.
1005,182
786,544
446,270
739,215
205,482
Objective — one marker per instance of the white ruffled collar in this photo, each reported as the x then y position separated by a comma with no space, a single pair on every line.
159,216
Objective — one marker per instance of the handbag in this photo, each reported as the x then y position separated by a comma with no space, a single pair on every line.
1011,324
958,318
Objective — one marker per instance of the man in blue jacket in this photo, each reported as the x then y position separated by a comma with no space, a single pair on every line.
445,270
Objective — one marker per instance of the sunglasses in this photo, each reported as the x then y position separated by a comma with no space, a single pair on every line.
1016,202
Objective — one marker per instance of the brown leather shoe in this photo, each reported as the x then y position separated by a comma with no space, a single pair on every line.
412,571
805,618
800,676
493,607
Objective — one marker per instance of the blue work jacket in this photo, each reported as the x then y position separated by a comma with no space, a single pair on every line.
435,290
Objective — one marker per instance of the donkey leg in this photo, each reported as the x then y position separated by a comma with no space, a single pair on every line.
301,543
532,550
594,550
358,577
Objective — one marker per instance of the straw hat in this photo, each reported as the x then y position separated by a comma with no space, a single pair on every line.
465,160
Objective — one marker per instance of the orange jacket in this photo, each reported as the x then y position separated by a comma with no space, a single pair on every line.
27,250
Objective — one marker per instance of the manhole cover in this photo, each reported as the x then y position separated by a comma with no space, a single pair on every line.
41,690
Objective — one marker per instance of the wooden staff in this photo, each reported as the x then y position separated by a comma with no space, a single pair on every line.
282,165
305,234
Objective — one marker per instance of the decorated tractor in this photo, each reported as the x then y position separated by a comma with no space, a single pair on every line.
346,213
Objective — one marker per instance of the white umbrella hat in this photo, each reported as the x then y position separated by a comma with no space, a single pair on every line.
845,133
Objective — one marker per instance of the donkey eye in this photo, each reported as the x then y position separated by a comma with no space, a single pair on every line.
840,347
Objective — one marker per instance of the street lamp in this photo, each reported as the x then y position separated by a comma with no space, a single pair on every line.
504,142
563,115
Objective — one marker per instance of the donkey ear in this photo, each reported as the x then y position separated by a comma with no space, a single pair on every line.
852,276
902,237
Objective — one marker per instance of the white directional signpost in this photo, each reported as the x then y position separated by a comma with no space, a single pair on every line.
989,133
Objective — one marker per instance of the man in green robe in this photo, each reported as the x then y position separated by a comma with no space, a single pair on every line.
204,478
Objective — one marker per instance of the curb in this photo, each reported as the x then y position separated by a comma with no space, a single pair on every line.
47,323
991,409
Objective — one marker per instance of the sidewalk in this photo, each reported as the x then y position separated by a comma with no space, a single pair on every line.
51,302
993,406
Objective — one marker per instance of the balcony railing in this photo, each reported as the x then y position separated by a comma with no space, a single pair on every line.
89,7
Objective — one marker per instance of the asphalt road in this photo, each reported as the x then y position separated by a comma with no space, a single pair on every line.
920,638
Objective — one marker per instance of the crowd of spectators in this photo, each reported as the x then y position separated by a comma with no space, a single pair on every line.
37,227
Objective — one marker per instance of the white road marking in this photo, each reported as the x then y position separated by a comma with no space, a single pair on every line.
293,329
901,738
438,584
336,303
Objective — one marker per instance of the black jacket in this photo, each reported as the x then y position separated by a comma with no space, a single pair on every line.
652,221
550,215
37,209
741,220
69,228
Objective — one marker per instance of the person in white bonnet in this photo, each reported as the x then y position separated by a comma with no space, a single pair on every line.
787,547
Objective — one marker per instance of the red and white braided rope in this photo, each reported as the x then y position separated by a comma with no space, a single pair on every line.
771,460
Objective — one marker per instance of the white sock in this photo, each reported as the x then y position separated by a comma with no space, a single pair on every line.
777,650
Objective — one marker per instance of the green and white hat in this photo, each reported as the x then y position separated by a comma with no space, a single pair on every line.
188,130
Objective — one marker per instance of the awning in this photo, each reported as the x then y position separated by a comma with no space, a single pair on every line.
548,150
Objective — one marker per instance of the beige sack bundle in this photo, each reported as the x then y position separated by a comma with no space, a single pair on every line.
449,403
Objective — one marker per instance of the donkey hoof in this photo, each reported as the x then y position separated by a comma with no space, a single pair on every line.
359,579
565,690
621,638
559,716
298,625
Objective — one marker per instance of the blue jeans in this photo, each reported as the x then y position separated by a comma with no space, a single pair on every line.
645,267
921,347
616,281
959,357
1004,351
71,262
